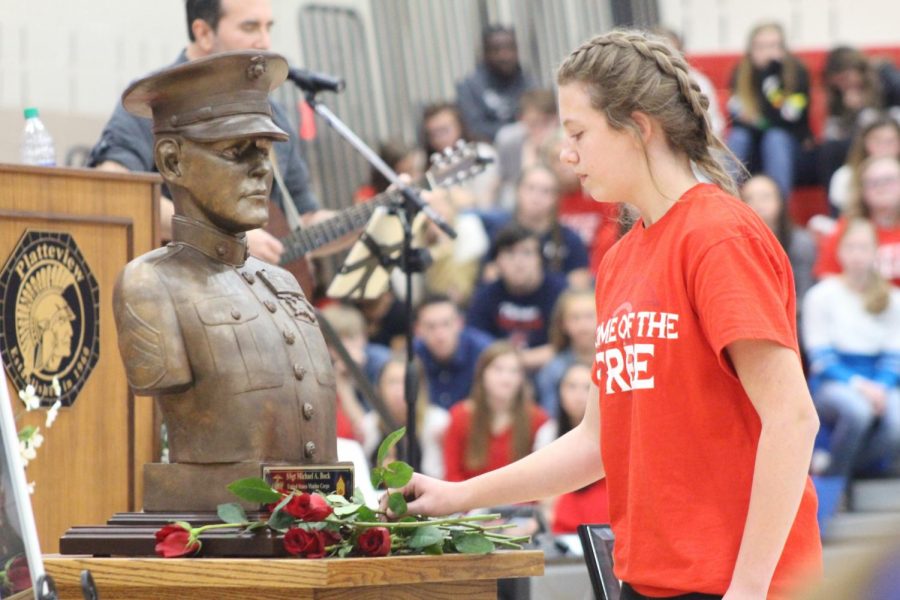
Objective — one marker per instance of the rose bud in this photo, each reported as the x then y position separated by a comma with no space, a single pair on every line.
375,542
172,541
305,544
308,507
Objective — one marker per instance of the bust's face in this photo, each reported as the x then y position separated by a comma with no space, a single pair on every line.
229,181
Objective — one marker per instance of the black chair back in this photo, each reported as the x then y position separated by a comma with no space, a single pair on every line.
597,542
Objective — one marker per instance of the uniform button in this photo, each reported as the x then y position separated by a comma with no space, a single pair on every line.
299,372
270,306
221,249
310,449
308,411
288,337
249,277
235,314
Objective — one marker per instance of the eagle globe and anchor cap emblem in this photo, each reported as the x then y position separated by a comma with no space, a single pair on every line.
49,316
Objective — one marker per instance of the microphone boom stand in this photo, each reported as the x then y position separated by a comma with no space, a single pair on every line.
412,260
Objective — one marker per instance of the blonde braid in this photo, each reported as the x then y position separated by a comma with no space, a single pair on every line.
629,70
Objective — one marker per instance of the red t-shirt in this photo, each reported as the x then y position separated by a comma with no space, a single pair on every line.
588,505
499,452
596,223
888,257
679,434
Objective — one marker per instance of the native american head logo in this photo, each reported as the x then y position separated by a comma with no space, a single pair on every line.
48,315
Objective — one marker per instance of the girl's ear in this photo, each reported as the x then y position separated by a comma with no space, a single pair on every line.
645,125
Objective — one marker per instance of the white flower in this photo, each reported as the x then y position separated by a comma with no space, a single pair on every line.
29,398
27,451
30,487
52,413
57,389
37,439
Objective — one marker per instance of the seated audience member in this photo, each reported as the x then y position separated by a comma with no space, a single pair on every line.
537,202
716,120
385,318
876,196
856,87
448,349
350,328
590,504
572,334
851,331
431,420
598,224
496,425
442,128
880,137
403,158
488,99
761,193
769,107
519,144
456,262
518,305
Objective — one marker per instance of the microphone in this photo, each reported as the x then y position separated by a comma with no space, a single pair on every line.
310,81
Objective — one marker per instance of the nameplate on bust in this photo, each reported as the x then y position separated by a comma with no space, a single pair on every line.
326,479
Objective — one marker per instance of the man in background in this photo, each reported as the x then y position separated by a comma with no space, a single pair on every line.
488,99
216,26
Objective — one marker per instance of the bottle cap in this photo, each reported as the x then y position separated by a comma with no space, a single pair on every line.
31,113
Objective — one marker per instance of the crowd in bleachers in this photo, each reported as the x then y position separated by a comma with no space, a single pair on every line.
505,319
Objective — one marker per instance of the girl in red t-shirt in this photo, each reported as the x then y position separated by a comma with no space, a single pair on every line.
708,426
497,424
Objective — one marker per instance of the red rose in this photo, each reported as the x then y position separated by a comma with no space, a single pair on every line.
308,507
375,542
172,541
271,507
18,575
308,544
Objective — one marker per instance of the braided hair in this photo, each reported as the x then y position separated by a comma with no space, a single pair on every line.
626,71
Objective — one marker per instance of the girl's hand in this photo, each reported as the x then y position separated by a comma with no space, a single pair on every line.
430,497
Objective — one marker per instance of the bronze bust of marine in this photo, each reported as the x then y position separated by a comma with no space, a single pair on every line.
228,344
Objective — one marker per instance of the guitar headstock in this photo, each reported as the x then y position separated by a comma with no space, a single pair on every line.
456,164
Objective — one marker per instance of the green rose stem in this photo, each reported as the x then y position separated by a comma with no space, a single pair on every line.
195,532
436,522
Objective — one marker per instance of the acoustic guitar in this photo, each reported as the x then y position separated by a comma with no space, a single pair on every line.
453,166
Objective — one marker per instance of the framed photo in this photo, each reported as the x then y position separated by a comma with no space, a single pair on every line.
20,551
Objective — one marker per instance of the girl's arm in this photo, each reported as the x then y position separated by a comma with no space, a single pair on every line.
773,379
569,463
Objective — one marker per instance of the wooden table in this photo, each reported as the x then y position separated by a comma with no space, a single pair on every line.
449,577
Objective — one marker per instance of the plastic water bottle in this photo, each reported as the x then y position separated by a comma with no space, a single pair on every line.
37,145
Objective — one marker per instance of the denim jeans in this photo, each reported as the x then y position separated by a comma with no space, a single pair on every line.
858,437
775,148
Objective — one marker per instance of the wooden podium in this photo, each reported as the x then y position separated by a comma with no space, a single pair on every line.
90,462
449,577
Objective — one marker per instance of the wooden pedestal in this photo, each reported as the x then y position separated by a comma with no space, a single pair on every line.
449,577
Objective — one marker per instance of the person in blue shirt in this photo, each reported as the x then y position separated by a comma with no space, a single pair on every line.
851,331
518,305
447,348
536,208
